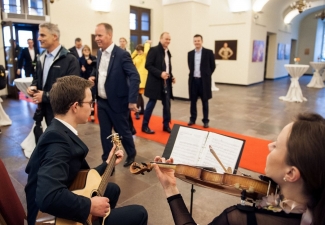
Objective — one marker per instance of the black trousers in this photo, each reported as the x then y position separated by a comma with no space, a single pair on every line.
126,215
196,92
109,119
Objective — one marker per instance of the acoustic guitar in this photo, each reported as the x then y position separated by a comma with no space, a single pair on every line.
90,183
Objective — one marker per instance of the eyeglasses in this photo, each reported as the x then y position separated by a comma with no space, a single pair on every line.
91,103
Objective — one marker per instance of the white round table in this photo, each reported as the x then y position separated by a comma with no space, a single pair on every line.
23,83
213,85
316,81
294,93
29,143
4,118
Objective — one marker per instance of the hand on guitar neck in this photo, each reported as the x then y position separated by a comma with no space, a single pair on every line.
100,205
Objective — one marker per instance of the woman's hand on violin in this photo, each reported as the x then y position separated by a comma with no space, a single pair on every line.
119,155
166,176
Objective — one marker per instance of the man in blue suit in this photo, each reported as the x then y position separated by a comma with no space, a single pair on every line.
117,84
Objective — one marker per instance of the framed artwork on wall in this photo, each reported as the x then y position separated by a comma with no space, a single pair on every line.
258,51
287,50
225,50
281,49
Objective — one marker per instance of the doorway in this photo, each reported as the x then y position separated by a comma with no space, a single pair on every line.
15,37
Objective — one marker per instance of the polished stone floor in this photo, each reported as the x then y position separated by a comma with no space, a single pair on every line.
254,111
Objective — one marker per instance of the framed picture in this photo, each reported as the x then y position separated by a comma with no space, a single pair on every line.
287,50
226,50
281,48
258,51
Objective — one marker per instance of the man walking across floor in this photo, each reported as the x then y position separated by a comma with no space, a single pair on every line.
201,65
159,82
117,83
27,59
56,61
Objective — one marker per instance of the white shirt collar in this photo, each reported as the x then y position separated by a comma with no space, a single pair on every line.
109,49
68,126
55,51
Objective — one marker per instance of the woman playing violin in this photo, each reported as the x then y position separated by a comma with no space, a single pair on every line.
296,162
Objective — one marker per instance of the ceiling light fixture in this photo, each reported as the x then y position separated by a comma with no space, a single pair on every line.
300,5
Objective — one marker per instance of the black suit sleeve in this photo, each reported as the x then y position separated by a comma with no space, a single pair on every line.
150,62
133,77
21,59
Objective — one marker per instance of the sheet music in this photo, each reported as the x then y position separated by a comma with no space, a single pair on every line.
188,145
226,148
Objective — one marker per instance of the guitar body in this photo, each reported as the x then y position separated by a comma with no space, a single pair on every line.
92,183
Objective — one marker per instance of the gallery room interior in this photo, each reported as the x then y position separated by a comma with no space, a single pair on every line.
275,71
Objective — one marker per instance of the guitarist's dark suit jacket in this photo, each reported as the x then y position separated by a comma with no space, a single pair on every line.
26,61
121,87
54,164
207,66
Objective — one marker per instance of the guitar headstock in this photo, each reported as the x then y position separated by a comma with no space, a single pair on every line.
137,168
115,140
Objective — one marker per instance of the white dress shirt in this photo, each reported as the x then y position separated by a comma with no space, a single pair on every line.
102,70
32,53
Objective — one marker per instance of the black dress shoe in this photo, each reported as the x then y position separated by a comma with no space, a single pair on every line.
133,131
190,123
147,130
167,129
128,161
206,125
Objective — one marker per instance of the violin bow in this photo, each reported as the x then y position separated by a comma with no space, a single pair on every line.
219,161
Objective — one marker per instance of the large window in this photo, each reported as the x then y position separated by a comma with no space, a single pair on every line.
31,7
139,26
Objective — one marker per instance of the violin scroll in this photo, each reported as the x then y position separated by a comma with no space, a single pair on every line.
137,168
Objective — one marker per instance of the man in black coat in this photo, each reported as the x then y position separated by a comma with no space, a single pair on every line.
201,65
159,82
59,156
54,62
77,49
27,59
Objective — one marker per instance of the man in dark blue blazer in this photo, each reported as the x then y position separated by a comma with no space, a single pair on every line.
117,84
201,65
59,156
27,59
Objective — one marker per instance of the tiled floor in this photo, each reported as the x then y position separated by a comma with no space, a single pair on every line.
254,111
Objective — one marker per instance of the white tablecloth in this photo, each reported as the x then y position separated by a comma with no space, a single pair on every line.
4,118
29,143
23,83
213,85
294,93
316,81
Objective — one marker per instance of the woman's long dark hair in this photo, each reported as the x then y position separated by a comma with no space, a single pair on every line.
306,151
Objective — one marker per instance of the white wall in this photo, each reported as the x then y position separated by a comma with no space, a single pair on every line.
183,25
82,22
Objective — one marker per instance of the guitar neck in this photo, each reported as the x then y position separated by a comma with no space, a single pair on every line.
107,173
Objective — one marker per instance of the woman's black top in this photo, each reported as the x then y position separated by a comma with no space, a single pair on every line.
234,215
89,67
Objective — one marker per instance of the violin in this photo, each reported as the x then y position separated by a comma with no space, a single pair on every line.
227,183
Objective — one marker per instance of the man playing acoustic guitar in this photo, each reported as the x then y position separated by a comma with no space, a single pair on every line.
60,155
